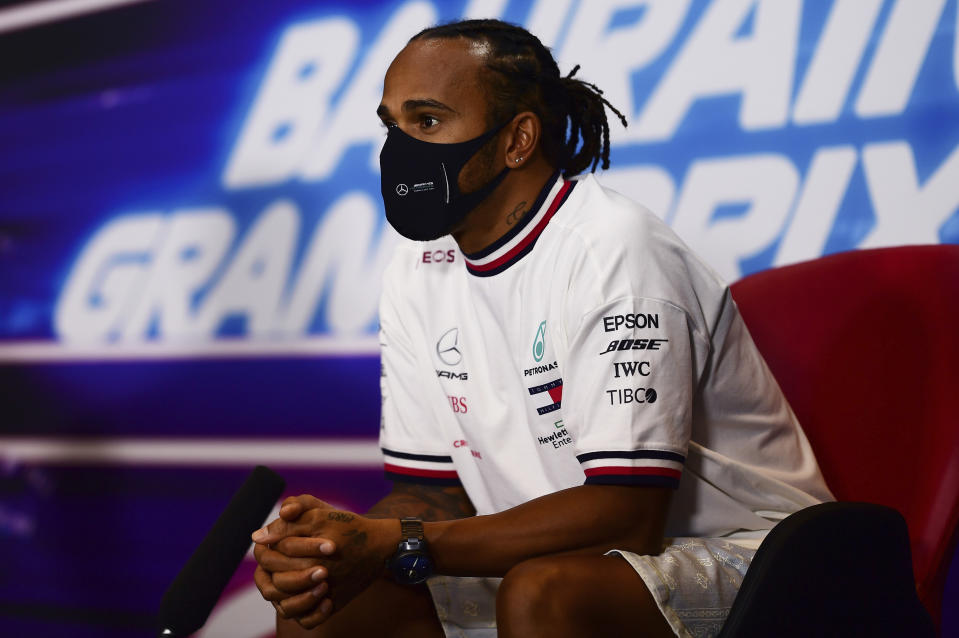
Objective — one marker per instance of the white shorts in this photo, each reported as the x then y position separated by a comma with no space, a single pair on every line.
694,582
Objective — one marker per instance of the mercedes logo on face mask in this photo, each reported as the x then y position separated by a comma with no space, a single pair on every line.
402,189
447,348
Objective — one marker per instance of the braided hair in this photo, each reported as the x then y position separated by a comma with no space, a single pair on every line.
523,76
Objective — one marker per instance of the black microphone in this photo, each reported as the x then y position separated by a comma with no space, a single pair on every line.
191,596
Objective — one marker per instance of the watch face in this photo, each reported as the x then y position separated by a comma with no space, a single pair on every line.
412,567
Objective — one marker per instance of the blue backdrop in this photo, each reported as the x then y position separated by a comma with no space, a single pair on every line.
191,237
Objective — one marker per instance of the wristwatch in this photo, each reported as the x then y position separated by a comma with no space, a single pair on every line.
411,564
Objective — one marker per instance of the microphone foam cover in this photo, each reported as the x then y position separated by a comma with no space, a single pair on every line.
192,595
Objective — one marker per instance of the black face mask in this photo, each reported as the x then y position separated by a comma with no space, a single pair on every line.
420,183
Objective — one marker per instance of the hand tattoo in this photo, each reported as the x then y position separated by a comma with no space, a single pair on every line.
357,538
342,517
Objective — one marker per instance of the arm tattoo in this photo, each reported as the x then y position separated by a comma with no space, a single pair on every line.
431,503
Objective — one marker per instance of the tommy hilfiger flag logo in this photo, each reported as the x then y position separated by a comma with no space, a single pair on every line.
553,391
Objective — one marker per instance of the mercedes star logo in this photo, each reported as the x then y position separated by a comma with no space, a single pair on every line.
447,348
402,189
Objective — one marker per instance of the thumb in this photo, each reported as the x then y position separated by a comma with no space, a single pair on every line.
291,509
272,533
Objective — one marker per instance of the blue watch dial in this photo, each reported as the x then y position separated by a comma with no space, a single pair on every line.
413,567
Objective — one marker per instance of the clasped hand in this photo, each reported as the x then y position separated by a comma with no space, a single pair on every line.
314,558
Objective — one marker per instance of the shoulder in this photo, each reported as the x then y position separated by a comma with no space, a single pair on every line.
618,238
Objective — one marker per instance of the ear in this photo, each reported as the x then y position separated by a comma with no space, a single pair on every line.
525,130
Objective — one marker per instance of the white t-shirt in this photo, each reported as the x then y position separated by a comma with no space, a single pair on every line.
587,345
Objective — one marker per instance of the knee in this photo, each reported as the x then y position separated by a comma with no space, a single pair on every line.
532,594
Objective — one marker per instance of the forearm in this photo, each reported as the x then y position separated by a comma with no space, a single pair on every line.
584,519
425,502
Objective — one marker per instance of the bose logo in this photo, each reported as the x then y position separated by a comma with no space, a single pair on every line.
633,344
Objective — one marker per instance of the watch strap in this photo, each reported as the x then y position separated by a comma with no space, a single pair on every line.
411,528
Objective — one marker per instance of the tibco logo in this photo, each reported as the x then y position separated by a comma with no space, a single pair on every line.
447,347
629,395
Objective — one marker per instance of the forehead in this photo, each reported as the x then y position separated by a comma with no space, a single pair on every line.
446,70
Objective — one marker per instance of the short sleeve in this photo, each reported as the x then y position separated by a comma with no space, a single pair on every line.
630,379
410,436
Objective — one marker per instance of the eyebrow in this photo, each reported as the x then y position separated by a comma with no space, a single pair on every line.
412,105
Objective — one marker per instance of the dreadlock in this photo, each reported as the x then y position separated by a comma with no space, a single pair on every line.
523,76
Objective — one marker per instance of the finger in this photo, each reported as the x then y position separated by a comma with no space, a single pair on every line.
320,615
302,546
291,508
294,506
305,525
273,532
298,581
279,610
280,529
305,603
259,550
274,561
264,582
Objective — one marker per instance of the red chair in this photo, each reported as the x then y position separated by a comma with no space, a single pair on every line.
865,346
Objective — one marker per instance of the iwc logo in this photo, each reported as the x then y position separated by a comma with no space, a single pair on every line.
539,342
402,190
447,347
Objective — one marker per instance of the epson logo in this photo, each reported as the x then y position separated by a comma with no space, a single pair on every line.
630,321
457,376
619,345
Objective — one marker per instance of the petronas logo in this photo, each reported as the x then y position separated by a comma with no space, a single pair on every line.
539,343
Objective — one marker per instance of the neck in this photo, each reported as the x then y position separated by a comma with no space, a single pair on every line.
505,206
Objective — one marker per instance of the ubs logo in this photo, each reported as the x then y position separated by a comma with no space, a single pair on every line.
402,190
539,342
447,348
